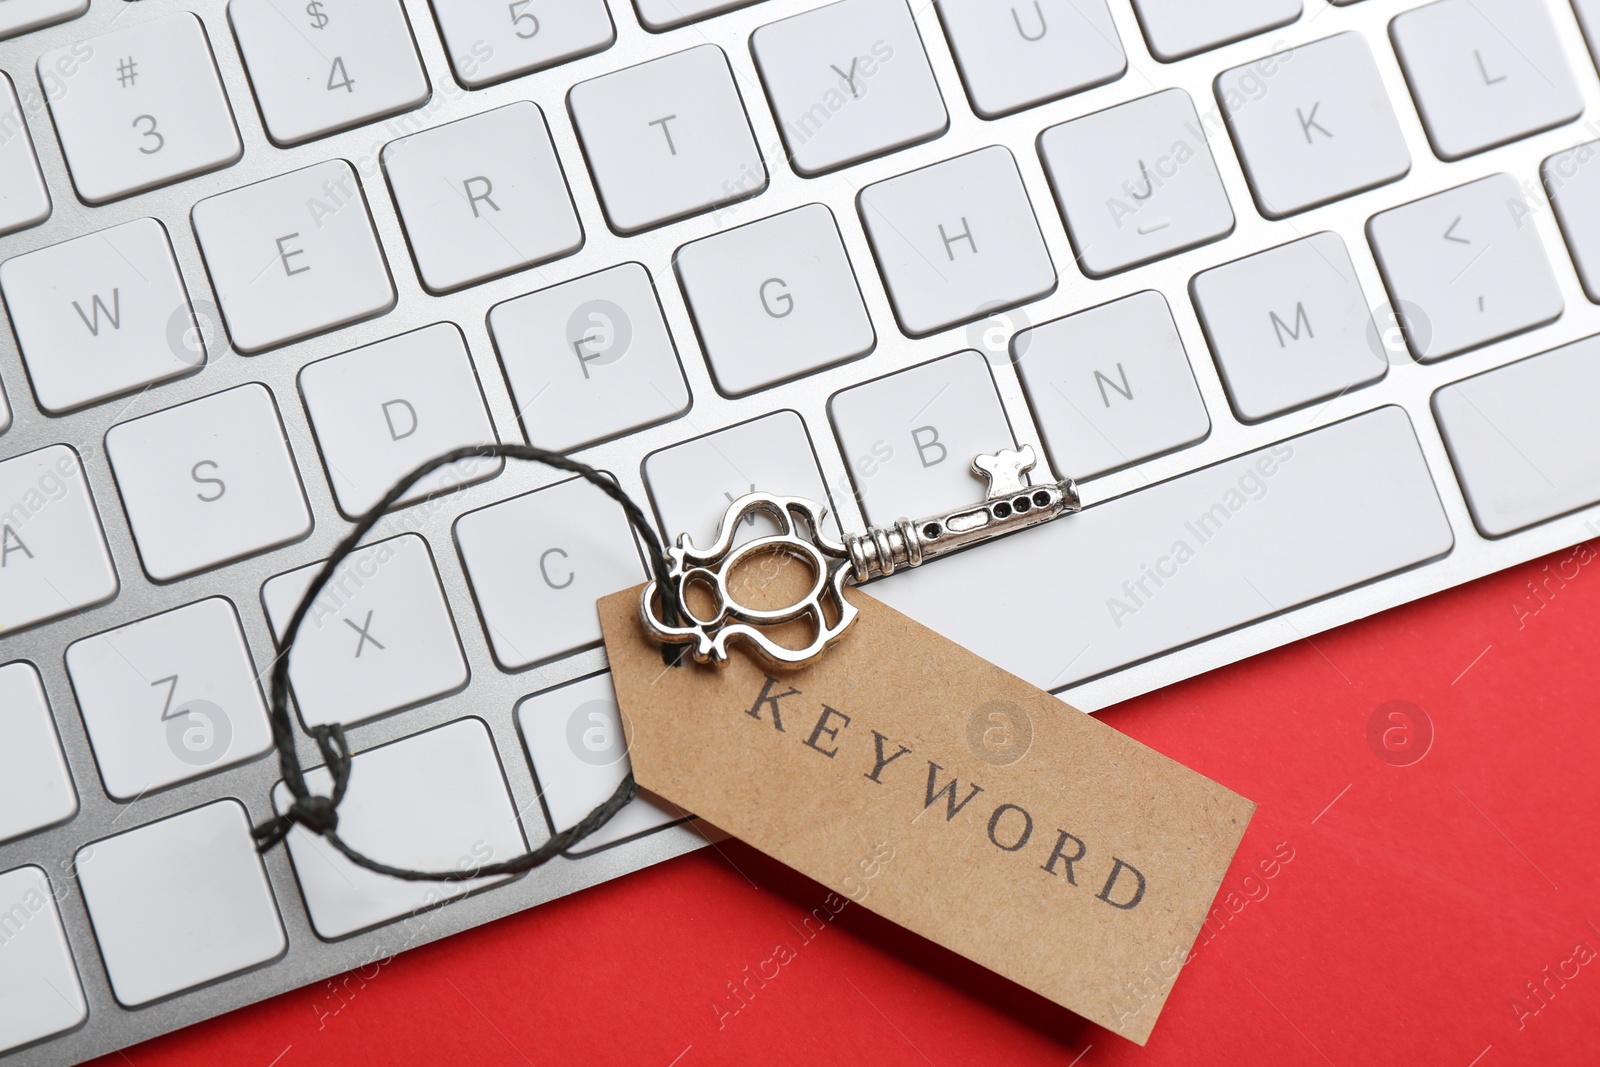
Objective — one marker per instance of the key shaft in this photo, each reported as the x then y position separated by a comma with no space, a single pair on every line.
1009,506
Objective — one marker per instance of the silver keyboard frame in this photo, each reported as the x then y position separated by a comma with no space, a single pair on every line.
493,693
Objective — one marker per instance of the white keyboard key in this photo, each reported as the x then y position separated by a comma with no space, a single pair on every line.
169,698
589,359
537,564
692,484
38,982
21,16
179,903
482,197
847,82
667,139
957,241
293,255
1021,55
100,315
208,482
1192,557
1484,72
5,411
489,43
1176,29
1465,267
378,638
53,554
1572,181
381,411
1289,327
145,108
436,801
661,15
1323,130
580,755
774,300
325,66
24,201
1136,182
1111,386
1519,437
909,438
35,786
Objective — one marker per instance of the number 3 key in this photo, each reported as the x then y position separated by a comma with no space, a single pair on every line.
139,108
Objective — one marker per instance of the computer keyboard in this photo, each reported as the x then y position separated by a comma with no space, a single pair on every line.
1302,293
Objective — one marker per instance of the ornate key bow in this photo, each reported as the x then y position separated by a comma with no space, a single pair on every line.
703,577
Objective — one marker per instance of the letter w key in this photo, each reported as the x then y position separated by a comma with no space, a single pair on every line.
113,333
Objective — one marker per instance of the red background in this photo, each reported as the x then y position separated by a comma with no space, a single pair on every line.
1419,901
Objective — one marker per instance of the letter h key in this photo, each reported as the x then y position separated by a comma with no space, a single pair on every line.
710,615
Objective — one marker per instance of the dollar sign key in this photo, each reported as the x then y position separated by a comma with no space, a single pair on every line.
319,18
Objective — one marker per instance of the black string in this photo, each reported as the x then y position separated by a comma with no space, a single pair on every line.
319,814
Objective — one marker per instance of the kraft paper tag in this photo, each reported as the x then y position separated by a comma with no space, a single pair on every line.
925,783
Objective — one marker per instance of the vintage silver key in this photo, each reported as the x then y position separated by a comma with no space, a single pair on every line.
1011,504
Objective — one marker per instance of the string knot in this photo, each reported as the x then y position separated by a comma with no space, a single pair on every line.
316,814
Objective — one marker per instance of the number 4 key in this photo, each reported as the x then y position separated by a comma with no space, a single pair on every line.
321,66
